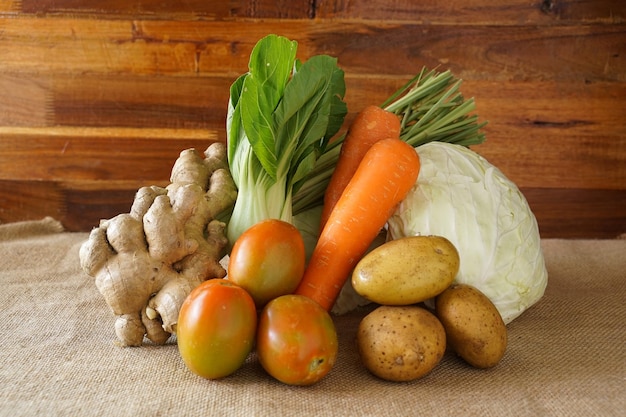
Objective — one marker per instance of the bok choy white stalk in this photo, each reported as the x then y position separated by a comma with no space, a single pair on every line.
281,115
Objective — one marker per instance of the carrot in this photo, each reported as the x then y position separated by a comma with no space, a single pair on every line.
369,126
384,177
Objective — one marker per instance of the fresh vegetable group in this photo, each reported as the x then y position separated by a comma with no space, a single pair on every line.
295,214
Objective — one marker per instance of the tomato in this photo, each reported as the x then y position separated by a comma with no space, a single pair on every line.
267,260
216,328
296,340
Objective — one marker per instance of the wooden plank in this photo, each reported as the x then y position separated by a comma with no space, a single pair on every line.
10,7
292,9
576,213
462,12
79,206
110,154
169,102
540,161
550,135
80,46
30,200
547,161
200,48
478,12
113,101
193,102
24,100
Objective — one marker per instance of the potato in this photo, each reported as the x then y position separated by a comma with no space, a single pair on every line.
407,270
400,343
474,328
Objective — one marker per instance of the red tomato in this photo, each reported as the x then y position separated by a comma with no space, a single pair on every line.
267,260
296,340
216,328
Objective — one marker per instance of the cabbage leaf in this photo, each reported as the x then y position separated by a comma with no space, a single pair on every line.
461,196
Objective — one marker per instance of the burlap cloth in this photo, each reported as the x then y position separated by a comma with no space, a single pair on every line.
566,354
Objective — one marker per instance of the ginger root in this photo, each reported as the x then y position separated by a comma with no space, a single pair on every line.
147,261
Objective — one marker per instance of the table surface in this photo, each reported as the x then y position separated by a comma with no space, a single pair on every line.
565,357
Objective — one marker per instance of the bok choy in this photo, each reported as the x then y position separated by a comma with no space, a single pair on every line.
281,115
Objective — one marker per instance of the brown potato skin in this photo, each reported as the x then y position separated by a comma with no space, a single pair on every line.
400,343
474,328
406,271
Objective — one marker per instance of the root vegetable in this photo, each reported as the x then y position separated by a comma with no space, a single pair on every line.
147,261
406,271
386,173
401,343
371,125
474,328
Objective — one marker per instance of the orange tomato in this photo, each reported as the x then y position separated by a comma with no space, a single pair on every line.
296,340
267,260
216,328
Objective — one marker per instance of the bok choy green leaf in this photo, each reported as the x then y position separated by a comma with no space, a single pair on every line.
281,115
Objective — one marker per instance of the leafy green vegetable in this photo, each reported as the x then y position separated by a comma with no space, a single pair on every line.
281,115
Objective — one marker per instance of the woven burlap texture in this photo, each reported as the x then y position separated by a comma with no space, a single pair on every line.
566,354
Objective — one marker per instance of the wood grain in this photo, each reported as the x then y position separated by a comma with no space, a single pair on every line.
285,9
98,98
105,154
578,127
158,48
78,204
578,213
478,12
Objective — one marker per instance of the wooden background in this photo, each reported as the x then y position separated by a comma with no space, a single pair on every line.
97,98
